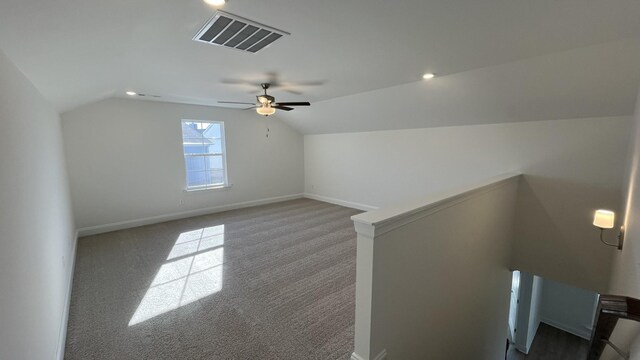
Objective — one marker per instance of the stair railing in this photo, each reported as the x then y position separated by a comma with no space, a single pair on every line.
610,309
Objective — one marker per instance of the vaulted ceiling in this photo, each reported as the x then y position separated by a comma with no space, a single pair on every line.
78,51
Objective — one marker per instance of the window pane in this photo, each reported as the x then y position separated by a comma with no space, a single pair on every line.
217,176
214,131
215,146
195,163
191,130
195,149
208,177
213,162
204,126
197,178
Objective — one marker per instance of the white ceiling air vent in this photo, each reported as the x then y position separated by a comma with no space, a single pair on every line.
235,32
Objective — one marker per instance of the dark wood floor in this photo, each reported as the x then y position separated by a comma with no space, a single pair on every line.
553,344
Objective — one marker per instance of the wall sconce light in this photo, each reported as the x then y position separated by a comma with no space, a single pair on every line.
604,219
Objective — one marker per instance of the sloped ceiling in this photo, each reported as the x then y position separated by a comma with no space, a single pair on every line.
596,81
79,51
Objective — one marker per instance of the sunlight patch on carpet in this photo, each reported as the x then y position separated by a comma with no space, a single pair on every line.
194,272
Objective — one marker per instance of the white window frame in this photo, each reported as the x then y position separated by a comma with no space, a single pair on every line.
223,146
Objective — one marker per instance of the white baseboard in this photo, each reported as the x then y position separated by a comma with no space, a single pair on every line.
93,230
584,333
62,334
381,356
349,204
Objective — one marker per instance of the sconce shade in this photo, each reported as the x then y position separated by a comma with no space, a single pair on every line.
604,219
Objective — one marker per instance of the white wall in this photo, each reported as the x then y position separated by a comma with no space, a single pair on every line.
568,308
536,310
126,163
528,318
571,168
625,279
36,227
438,284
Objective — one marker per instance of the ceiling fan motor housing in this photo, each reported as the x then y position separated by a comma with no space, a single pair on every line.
266,99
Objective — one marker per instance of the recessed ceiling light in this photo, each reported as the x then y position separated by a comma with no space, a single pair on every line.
131,93
428,76
215,2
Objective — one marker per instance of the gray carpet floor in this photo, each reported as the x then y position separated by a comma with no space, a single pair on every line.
268,282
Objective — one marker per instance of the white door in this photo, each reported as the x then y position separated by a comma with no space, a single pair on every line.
513,308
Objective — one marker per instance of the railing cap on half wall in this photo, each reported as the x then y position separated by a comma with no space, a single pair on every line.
380,221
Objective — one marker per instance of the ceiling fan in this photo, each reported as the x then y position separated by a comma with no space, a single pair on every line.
266,104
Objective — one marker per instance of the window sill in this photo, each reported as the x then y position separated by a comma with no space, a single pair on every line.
209,188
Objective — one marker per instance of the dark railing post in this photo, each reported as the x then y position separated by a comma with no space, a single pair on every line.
610,309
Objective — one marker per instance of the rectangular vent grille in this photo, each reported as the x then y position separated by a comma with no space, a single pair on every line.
235,32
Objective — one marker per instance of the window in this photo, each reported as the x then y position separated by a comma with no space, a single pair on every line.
204,154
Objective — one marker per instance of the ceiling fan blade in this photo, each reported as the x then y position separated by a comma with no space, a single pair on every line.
302,103
295,92
233,81
311,83
235,102
239,82
249,108
283,107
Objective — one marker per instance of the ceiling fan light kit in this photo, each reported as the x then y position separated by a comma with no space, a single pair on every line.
265,110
